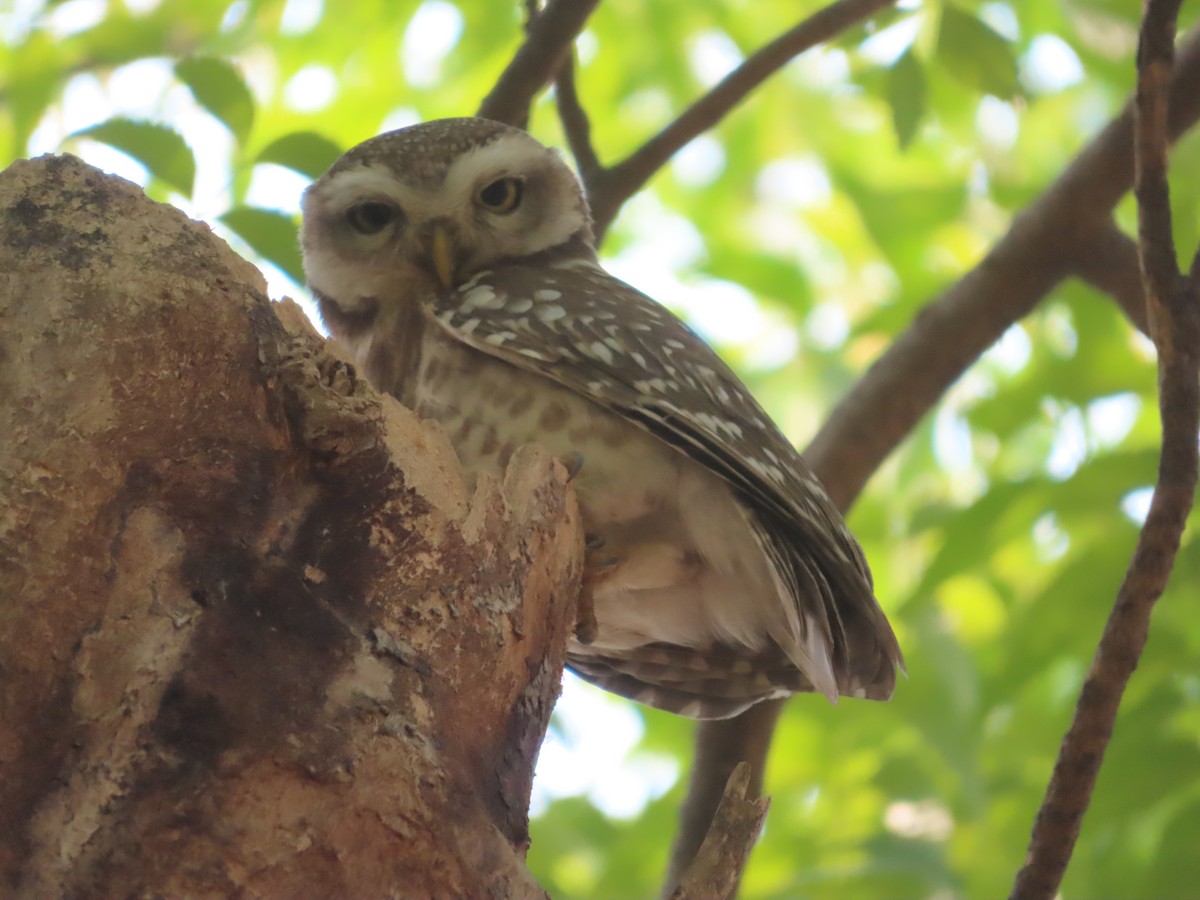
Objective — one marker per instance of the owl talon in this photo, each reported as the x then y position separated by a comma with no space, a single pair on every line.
585,617
594,571
572,462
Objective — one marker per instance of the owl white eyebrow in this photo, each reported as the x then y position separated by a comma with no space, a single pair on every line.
507,155
347,188
353,185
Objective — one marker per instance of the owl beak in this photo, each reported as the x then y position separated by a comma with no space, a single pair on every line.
441,253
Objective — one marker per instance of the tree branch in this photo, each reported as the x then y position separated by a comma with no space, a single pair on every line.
1174,305
610,188
575,123
1110,264
715,872
720,745
548,41
952,331
1156,244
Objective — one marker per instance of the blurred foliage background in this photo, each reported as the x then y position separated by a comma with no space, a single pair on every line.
800,236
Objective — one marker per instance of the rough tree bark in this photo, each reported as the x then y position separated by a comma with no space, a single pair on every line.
259,635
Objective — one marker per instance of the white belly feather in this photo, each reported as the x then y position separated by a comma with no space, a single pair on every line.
689,570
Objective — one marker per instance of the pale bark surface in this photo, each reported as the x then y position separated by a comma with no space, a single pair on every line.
259,634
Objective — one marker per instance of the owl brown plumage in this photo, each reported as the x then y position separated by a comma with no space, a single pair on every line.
456,260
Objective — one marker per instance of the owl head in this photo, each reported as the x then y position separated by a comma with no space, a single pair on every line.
426,207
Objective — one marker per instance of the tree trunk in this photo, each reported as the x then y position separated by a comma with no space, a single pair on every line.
259,634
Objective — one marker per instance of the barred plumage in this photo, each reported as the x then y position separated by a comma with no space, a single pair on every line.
456,259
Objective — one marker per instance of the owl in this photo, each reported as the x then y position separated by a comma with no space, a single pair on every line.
456,260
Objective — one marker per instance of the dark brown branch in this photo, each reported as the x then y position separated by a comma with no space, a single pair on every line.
1082,751
1174,304
949,335
548,40
612,187
575,123
1156,55
1109,263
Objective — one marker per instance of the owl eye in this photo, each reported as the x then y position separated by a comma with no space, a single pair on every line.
371,218
502,196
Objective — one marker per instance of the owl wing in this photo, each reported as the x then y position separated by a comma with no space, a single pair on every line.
576,325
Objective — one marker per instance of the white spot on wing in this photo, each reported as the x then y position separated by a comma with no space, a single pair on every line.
600,350
478,295
483,296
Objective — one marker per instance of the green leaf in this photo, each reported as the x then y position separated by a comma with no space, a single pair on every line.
906,92
160,149
305,152
121,37
975,54
270,234
34,76
220,89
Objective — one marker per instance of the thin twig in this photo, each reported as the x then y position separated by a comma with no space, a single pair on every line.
721,744
614,186
548,40
575,122
1156,53
715,872
1174,304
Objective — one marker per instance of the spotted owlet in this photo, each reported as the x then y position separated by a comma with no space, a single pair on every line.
456,260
